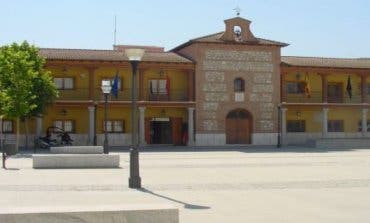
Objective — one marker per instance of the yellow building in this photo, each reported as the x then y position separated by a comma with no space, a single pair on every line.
225,88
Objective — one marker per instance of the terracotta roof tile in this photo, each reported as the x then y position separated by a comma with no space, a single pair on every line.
216,38
108,55
360,63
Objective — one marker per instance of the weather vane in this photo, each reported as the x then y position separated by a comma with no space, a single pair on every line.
237,10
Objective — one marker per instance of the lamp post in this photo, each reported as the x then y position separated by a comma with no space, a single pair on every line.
134,56
279,127
106,88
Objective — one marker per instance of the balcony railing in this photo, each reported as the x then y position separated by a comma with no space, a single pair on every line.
74,94
316,97
173,95
123,95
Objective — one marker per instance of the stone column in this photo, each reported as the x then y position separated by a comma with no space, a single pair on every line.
141,85
325,122
283,87
363,88
364,121
91,125
191,85
324,84
283,126
91,93
38,126
142,126
191,126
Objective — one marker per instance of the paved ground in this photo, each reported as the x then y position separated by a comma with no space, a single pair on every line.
211,185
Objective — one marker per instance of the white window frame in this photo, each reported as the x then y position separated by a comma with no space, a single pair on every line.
64,82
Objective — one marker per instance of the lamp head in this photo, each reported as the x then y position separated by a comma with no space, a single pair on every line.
106,86
135,54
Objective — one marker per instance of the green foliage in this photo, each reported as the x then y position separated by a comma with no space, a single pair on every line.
25,87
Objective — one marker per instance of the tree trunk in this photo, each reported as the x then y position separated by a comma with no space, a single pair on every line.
17,135
27,130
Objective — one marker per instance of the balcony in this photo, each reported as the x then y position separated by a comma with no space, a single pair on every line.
173,95
74,94
123,95
316,97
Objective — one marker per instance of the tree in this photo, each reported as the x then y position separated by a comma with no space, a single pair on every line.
25,86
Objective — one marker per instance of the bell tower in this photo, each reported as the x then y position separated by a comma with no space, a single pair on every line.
238,30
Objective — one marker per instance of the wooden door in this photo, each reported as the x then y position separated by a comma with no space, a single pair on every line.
238,127
176,130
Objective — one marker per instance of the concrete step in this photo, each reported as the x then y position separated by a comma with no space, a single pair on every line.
77,150
344,143
154,213
54,161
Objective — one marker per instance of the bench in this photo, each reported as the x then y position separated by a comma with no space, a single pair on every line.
55,161
77,150
154,213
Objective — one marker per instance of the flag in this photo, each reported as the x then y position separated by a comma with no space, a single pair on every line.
115,86
349,87
307,87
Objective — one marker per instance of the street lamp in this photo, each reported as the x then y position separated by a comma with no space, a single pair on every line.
134,56
279,127
106,88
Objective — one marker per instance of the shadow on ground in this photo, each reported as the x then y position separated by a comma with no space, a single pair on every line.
186,205
27,153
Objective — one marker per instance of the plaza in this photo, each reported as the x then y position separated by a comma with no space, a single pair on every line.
208,184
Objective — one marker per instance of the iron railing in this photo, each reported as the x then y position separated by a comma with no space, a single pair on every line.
123,95
172,95
316,97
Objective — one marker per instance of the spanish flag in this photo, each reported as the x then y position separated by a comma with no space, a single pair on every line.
307,87
349,87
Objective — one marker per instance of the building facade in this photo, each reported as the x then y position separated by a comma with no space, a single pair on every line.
225,88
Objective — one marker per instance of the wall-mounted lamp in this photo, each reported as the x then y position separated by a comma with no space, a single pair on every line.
298,76
63,112
161,73
298,114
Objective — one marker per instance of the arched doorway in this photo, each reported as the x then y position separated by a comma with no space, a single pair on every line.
238,127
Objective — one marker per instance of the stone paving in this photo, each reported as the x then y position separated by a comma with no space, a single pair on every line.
210,185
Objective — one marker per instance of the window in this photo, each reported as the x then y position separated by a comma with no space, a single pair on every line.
159,86
238,85
295,87
7,126
65,125
360,126
296,125
335,126
115,126
111,81
63,83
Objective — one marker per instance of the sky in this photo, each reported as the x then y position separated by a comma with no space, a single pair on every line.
326,28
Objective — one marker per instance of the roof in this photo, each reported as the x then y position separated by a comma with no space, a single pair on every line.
359,63
216,38
108,55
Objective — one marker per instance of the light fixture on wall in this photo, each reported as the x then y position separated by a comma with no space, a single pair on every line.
161,73
298,114
298,76
162,113
63,112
